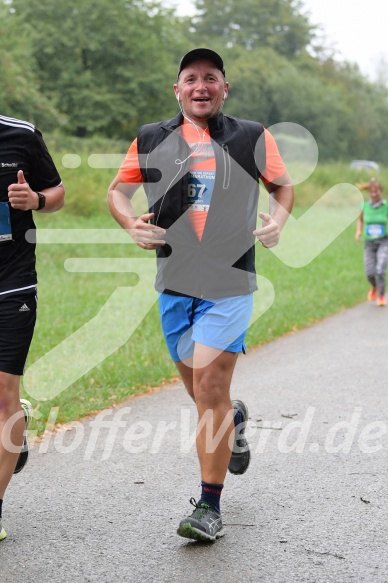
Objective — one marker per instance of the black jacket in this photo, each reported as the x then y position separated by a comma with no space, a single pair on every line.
223,262
21,148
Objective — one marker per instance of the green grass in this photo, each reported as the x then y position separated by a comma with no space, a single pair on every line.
68,301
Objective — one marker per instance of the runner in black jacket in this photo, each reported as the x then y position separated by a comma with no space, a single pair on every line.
29,182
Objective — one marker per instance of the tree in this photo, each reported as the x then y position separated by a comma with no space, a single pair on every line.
382,71
20,94
104,64
276,24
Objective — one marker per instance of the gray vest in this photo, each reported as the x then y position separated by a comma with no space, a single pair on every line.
223,263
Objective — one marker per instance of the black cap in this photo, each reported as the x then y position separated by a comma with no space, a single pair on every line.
197,54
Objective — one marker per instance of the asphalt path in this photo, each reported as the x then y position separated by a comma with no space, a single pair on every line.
100,501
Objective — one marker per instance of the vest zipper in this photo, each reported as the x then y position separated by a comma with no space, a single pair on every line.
227,167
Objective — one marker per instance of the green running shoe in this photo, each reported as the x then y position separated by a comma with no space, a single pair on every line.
23,456
204,524
241,455
3,534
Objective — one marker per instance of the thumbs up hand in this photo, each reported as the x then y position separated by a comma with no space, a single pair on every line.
21,179
269,233
20,194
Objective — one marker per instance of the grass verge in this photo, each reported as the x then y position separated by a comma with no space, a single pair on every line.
69,300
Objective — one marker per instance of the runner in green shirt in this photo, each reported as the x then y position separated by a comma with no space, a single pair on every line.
372,223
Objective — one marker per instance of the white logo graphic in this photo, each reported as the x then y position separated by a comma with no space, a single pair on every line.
303,239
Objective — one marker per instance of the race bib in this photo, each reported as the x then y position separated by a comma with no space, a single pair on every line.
375,231
5,223
201,185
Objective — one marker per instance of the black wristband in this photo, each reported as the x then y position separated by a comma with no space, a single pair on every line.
42,201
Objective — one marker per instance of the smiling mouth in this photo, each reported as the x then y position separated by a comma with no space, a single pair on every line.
201,99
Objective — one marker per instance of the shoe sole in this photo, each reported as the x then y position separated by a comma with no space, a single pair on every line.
244,409
240,473
23,457
186,530
27,410
3,534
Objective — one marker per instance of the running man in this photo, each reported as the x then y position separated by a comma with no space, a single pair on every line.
200,171
29,182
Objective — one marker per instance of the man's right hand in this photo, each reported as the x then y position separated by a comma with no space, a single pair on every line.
146,235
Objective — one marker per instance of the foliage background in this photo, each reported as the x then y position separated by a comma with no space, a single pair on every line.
104,68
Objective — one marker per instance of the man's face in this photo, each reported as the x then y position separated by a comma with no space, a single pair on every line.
202,89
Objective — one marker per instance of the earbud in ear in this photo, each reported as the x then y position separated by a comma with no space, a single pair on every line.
225,95
178,96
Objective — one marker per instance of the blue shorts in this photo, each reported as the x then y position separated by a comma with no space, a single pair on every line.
221,323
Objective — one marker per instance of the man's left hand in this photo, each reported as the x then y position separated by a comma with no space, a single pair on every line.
21,196
269,233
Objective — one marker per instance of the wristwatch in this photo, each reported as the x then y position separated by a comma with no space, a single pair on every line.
42,201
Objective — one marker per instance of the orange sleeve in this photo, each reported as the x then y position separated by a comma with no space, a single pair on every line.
274,165
130,169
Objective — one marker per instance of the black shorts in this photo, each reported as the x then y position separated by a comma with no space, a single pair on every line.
17,322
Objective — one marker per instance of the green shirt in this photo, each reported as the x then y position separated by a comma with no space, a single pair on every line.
375,221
